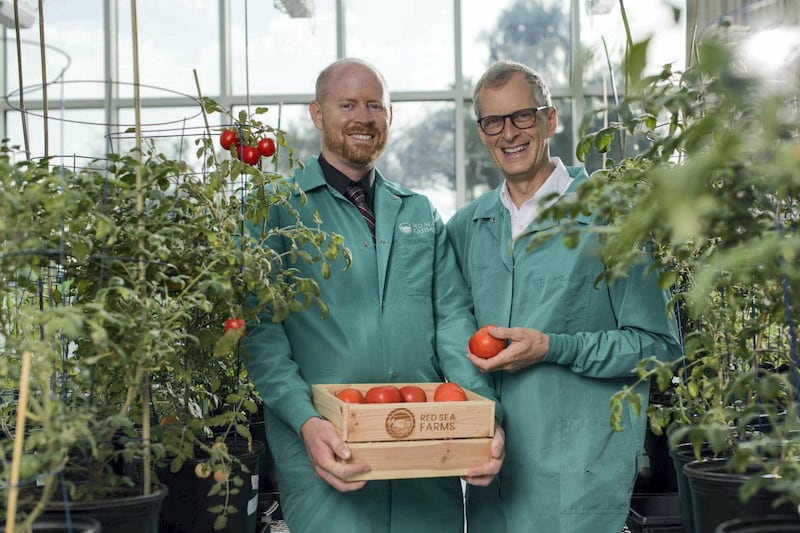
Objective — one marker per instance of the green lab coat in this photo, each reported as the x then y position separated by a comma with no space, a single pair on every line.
566,470
401,313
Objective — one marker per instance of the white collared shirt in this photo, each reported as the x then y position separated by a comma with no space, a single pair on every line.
521,217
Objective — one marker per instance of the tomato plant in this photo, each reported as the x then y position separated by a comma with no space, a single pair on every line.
227,138
350,395
266,147
235,324
412,393
483,345
383,394
449,392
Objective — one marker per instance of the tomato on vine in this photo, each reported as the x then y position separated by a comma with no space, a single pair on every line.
250,155
235,324
227,138
266,147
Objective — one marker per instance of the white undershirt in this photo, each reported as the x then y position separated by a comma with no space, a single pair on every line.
521,217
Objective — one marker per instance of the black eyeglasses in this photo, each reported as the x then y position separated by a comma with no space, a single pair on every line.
522,119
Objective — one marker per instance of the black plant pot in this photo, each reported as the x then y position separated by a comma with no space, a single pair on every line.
130,512
267,476
56,523
683,454
762,524
658,475
185,509
715,496
654,512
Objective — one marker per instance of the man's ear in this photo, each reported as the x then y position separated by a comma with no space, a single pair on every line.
552,121
315,112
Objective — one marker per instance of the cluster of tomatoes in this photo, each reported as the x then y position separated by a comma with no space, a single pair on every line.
250,154
446,392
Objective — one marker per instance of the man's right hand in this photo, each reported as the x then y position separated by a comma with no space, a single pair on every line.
328,453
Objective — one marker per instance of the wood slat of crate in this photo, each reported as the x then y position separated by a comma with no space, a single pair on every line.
410,440
419,458
404,421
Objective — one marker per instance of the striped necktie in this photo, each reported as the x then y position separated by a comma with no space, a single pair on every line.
357,195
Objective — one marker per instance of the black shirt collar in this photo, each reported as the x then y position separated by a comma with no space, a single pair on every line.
340,182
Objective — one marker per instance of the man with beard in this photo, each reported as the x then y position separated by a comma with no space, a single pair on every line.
400,313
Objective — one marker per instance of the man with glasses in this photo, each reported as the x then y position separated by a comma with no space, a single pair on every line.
573,342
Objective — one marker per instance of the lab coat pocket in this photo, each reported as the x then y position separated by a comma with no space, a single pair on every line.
598,466
562,298
415,259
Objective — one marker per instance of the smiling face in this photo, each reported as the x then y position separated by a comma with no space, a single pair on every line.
523,155
353,111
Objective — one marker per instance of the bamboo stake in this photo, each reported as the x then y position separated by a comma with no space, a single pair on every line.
19,437
23,112
137,107
44,78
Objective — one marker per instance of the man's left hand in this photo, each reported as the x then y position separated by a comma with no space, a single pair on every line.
482,475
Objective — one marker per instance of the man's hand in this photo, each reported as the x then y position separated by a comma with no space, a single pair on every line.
327,453
483,474
526,347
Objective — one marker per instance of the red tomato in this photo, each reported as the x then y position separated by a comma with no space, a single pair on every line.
234,324
383,394
169,419
449,392
266,147
484,345
227,138
412,393
250,154
350,395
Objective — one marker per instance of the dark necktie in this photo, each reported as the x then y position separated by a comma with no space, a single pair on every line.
356,194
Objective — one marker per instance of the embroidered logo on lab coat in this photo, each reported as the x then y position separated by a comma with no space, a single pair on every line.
416,228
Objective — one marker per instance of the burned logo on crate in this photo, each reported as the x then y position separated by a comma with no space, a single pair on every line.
437,422
400,423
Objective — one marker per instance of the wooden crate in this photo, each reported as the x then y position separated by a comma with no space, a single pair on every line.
410,440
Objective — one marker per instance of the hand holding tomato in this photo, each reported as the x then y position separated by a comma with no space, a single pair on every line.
449,392
483,345
526,347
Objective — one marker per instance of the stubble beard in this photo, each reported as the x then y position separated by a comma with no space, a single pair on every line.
355,154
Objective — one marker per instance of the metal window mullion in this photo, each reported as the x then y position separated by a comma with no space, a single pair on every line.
460,134
341,32
111,65
225,63
576,76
